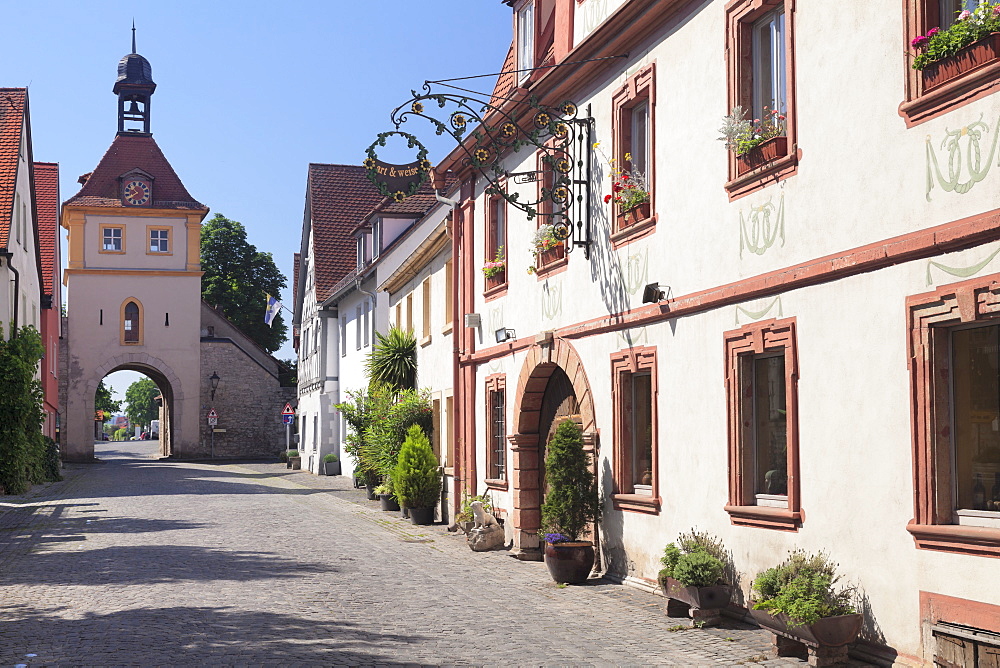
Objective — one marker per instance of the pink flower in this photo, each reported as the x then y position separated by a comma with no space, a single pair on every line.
964,15
756,120
933,31
781,118
996,10
919,42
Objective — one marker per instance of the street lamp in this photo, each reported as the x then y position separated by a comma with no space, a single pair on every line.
214,378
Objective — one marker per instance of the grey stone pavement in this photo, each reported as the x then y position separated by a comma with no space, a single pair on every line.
137,562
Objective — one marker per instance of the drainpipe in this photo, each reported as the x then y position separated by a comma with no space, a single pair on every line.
17,288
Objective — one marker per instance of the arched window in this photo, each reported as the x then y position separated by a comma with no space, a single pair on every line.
131,315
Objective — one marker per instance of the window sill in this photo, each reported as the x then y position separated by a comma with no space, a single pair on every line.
493,291
949,96
447,328
111,252
552,267
425,341
449,470
980,541
763,517
499,485
637,503
772,172
634,232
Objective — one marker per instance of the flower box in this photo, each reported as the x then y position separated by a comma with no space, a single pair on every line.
697,597
772,149
635,215
825,641
551,255
972,57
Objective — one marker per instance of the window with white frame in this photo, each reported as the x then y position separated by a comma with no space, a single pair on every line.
357,321
639,139
343,334
112,239
950,9
376,237
768,48
525,40
367,327
159,240
361,250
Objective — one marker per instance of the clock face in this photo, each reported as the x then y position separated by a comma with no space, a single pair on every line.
136,193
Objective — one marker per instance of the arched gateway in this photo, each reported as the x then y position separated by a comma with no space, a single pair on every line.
552,386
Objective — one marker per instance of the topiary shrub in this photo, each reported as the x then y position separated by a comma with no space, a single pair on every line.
416,480
572,501
804,588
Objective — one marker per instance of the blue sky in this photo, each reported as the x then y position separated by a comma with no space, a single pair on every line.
248,93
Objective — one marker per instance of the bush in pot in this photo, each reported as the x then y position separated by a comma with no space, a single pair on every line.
294,460
801,600
572,503
416,479
694,573
331,464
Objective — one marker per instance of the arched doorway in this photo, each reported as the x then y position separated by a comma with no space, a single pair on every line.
139,410
552,385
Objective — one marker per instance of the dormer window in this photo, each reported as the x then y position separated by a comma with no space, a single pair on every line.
376,237
525,40
361,251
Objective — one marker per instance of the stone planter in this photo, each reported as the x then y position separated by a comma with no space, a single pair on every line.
570,562
705,604
388,502
635,215
760,155
295,463
331,468
825,641
976,55
422,515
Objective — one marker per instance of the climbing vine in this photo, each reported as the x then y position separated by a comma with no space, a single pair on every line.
24,452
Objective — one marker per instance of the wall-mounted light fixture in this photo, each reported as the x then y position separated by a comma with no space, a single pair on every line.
473,320
653,293
505,335
214,379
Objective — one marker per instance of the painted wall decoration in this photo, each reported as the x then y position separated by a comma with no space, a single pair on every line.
633,337
552,300
961,272
764,225
964,153
495,320
636,271
759,313
594,12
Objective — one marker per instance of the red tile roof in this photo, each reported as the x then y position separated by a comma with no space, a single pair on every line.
338,197
129,152
47,213
13,106
414,205
507,79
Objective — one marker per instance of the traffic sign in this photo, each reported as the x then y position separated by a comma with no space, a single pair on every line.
288,419
288,410
212,414
212,421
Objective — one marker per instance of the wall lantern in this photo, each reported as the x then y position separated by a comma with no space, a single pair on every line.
505,335
214,378
653,293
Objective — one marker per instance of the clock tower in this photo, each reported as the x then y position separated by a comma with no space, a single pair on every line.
134,276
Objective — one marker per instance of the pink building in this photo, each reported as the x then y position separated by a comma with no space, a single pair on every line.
46,182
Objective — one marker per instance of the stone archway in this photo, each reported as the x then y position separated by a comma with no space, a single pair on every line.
541,362
81,407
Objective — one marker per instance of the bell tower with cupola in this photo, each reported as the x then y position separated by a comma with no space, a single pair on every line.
134,277
134,88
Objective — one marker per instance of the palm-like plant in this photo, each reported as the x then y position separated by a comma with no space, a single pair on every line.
393,360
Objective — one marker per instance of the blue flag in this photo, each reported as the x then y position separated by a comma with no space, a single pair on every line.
272,310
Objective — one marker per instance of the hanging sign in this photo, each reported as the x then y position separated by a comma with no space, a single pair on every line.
397,181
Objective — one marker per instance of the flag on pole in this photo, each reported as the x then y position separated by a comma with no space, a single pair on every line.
272,310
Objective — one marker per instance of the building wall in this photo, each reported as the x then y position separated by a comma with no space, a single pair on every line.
24,252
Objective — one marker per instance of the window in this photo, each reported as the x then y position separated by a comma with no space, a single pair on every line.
409,312
955,378
131,315
761,398
159,240
367,327
361,251
425,324
112,239
496,242
17,216
436,428
343,334
633,118
760,36
496,424
635,427
449,408
525,40
357,321
376,237
973,75
399,315
449,286
553,260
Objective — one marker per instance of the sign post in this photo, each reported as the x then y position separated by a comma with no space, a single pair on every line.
288,417
213,420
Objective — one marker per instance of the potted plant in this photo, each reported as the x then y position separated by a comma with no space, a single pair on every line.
495,268
971,42
800,603
542,242
331,464
385,496
693,571
755,142
294,460
629,190
417,477
571,505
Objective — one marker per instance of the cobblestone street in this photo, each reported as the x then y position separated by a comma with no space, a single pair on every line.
133,561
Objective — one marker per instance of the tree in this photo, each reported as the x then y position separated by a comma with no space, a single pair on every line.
104,402
572,501
141,399
238,279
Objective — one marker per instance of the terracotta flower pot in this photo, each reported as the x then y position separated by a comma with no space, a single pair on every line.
570,562
634,215
762,154
972,57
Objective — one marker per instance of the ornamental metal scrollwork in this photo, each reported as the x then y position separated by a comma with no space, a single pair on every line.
487,133
397,181
972,160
